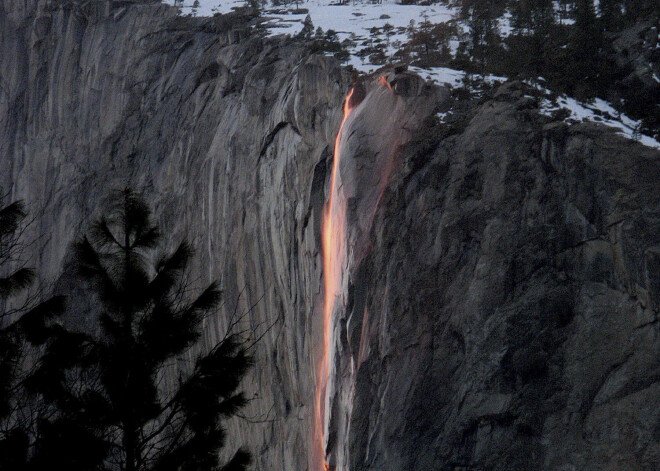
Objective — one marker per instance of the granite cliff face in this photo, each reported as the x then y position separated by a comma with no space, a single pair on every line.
501,287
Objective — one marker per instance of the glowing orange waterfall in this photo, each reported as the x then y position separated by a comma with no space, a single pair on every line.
333,231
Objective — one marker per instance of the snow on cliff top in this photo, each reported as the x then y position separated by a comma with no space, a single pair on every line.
354,20
598,111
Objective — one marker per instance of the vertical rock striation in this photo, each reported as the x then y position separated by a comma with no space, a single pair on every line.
509,301
228,135
368,152
501,287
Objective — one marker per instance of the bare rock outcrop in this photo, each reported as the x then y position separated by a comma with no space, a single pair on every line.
512,301
501,303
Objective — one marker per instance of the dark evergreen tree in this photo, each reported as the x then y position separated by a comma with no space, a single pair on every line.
429,43
585,71
533,16
481,17
531,46
11,283
106,408
585,20
565,7
611,14
635,10
21,316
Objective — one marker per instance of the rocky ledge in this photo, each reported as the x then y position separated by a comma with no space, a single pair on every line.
502,310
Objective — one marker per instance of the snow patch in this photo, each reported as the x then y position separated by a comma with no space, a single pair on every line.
598,111
451,77
360,24
352,22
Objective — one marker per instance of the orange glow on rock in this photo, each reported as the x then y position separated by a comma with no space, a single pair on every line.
333,230
383,81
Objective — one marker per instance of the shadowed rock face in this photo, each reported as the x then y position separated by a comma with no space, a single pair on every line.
229,140
512,313
502,294
369,151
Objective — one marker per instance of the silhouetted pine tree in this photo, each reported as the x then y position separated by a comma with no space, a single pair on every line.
23,319
11,284
106,406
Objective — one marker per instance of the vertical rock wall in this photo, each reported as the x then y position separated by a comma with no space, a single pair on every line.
229,139
509,302
369,153
502,285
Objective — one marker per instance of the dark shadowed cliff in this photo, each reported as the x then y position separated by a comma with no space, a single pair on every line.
501,290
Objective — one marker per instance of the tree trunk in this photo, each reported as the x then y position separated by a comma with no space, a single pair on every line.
130,447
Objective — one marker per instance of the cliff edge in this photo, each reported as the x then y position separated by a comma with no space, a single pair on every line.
501,297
